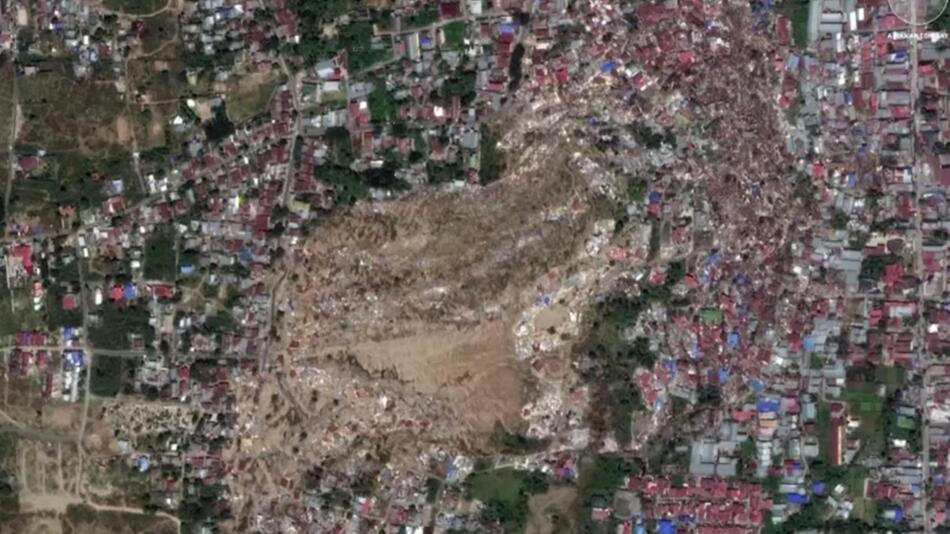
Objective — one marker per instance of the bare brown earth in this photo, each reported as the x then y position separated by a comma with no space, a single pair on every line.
426,287
551,512
399,340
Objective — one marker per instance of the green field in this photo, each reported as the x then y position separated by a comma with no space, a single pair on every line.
160,255
63,114
110,374
115,325
797,11
454,33
868,407
891,376
504,493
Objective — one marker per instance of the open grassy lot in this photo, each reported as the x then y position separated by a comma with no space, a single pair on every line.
249,96
71,177
160,32
505,494
797,11
83,518
160,255
865,405
62,114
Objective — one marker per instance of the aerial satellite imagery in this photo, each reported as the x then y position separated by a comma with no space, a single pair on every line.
474,266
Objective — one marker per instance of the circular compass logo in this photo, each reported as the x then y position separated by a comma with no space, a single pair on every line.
918,11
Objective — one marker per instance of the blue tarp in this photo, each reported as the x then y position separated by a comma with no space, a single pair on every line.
142,464
72,358
796,498
766,405
732,340
607,66
128,291
246,255
670,365
187,268
665,526
808,343
818,487
713,258
724,375
508,27
756,385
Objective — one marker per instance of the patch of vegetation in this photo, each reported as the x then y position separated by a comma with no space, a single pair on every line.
797,12
160,253
428,14
9,497
600,482
865,405
505,493
804,191
492,158
219,127
872,267
203,504
116,323
839,220
460,83
654,246
134,7
823,424
514,67
454,33
111,375
440,173
515,443
56,316
356,38
382,106
649,137
813,515
84,518
637,189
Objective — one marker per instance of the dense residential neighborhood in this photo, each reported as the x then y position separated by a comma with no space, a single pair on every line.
748,377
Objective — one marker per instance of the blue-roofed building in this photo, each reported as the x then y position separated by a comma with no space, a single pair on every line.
128,291
767,405
665,526
607,66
